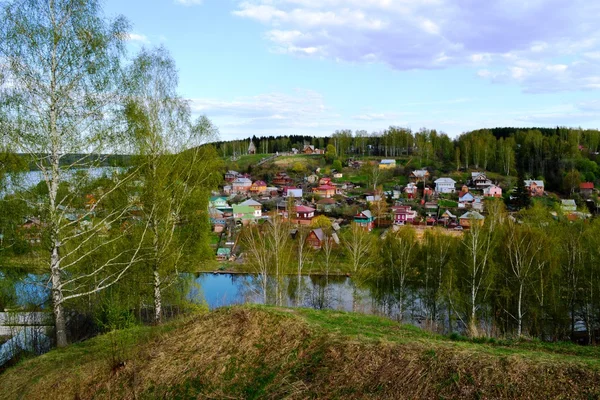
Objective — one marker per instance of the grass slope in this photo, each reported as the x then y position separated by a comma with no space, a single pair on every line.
265,352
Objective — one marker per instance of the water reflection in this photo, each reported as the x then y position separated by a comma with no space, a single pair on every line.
315,291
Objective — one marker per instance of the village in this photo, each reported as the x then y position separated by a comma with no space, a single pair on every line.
326,199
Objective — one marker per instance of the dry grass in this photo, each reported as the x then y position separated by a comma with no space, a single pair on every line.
262,352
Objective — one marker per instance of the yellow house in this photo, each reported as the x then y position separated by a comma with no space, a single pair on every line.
387,164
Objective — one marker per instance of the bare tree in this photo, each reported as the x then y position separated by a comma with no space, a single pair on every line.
61,62
479,243
258,256
398,252
301,259
523,247
358,244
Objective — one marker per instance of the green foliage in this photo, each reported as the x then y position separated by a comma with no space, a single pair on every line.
337,165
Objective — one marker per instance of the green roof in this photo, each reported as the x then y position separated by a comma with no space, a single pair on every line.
238,209
224,251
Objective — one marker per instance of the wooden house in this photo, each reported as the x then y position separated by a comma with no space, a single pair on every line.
326,205
479,180
304,215
317,237
420,175
535,188
365,220
470,218
404,215
325,191
231,176
282,179
586,188
258,187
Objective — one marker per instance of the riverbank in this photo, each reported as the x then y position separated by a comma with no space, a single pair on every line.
268,352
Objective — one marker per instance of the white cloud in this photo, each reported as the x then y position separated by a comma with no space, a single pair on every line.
301,111
514,39
189,2
137,37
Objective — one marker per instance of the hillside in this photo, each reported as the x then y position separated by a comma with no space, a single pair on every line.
264,352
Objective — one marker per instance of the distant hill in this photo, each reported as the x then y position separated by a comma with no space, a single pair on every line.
272,353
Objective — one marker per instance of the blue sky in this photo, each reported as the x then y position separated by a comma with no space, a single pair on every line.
270,67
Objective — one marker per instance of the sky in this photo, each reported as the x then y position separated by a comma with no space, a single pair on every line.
278,67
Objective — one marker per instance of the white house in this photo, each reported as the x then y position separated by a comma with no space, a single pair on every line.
445,185
255,205
296,193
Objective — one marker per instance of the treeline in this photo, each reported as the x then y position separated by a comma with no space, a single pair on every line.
537,153
530,274
268,144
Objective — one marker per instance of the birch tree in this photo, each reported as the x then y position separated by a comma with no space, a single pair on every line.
523,247
177,169
397,253
478,244
61,64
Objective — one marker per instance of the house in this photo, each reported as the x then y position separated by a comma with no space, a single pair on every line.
32,230
568,206
216,216
586,188
243,214
447,217
231,176
445,185
535,188
324,181
258,187
256,206
223,254
338,175
420,175
480,180
465,198
289,191
251,148
309,149
282,179
325,191
477,204
220,203
326,205
316,238
492,191
387,164
411,190
471,218
365,220
241,185
304,215
373,198
403,215
294,150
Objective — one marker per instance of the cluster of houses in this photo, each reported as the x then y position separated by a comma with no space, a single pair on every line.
445,203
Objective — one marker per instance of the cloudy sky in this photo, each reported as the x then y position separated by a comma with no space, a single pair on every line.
314,66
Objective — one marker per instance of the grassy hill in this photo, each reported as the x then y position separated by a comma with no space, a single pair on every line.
265,352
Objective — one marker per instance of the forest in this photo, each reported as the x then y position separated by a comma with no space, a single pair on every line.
534,153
